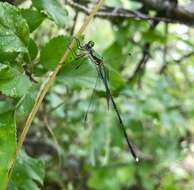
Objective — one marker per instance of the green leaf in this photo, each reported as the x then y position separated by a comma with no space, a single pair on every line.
28,101
33,49
7,145
53,51
6,106
154,36
12,82
115,79
102,179
28,173
33,17
54,9
14,31
114,55
85,76
6,73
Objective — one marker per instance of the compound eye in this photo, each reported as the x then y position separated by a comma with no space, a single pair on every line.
91,43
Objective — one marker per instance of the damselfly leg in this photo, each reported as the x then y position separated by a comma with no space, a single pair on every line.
79,46
77,57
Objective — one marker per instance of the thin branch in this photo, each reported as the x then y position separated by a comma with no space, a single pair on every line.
115,13
74,23
172,11
140,68
29,74
46,123
165,48
171,14
178,61
141,65
184,57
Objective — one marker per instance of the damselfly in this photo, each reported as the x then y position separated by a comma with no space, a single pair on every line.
87,50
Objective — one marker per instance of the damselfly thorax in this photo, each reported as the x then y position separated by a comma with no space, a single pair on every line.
88,47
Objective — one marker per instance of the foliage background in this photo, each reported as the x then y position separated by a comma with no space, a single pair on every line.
153,88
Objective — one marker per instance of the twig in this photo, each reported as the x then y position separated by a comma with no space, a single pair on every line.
54,139
165,50
184,57
112,12
141,65
56,107
29,74
178,13
140,69
74,23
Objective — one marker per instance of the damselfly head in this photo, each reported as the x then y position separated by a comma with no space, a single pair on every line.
90,44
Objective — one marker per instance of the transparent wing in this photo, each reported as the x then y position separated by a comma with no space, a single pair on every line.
91,99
